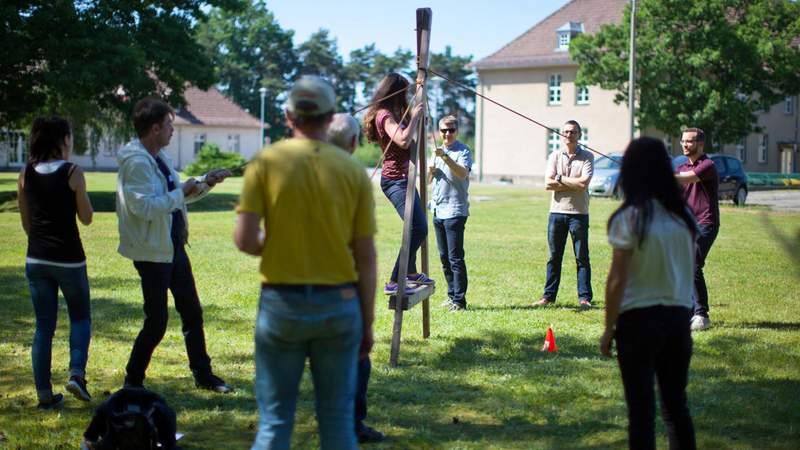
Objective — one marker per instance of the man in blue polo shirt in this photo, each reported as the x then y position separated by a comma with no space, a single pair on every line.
450,207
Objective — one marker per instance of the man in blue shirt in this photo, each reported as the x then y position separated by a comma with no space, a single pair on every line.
450,207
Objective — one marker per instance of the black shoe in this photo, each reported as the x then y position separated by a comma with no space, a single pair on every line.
366,435
54,402
457,307
77,387
212,383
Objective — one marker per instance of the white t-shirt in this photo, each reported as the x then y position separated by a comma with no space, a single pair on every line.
661,271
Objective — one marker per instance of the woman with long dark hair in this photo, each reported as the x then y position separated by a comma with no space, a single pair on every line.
385,125
51,193
649,294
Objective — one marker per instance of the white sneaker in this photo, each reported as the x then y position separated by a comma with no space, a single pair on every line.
700,323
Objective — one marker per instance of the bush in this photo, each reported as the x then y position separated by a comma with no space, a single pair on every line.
368,154
211,157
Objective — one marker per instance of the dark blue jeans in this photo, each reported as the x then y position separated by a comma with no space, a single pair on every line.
44,281
395,191
577,226
450,240
706,234
362,381
654,344
156,279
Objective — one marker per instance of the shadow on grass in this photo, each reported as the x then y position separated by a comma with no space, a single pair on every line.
105,201
497,390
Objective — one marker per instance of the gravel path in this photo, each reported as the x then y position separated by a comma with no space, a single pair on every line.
778,200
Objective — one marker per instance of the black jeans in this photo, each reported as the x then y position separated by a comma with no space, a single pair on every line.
450,240
362,381
655,342
705,239
156,279
395,191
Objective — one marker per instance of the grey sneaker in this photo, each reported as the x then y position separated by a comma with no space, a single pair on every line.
457,307
447,303
77,387
700,323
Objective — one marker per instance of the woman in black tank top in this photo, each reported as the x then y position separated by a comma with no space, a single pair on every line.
51,194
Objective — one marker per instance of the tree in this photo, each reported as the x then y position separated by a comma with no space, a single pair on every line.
90,61
319,55
250,50
449,98
368,65
710,63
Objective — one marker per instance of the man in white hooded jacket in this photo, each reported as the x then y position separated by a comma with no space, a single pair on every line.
153,230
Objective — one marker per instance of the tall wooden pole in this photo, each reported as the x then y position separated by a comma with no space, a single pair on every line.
424,17
417,150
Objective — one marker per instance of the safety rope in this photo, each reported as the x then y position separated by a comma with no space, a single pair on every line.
464,86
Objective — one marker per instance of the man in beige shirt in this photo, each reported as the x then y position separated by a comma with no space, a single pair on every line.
568,173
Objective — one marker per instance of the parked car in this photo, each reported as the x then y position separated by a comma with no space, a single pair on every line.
605,181
732,178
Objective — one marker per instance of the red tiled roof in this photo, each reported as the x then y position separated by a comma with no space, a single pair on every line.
212,108
537,46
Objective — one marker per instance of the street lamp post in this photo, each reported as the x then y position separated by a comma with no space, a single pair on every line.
263,92
632,72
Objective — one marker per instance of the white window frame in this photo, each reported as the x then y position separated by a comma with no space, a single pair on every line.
553,140
788,105
563,40
234,143
741,150
554,89
582,95
199,141
763,148
584,139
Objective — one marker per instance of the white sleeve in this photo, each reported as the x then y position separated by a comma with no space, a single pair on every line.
620,231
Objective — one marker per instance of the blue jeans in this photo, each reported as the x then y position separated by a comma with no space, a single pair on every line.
395,191
323,323
450,240
577,226
362,381
44,281
706,234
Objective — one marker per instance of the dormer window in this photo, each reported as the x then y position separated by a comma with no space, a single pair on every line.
563,41
565,34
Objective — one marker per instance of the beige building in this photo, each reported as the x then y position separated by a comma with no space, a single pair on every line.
535,75
208,116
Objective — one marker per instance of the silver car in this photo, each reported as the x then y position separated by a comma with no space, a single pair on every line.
605,181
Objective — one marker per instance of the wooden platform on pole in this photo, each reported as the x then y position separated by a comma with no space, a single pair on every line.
401,301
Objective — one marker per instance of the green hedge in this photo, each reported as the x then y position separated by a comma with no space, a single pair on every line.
211,157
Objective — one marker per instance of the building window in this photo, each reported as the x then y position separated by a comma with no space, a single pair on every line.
555,90
233,143
553,140
563,40
199,141
584,139
788,105
741,149
762,148
582,95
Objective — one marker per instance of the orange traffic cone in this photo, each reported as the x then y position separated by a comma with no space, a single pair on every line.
550,341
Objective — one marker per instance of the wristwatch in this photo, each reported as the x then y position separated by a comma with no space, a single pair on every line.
558,178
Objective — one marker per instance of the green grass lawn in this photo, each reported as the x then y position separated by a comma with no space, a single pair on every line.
478,382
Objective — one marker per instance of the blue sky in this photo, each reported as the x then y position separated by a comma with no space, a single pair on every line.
470,27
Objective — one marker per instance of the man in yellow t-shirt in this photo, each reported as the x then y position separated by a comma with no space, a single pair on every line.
317,270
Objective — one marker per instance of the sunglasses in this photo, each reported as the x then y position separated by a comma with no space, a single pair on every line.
445,130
